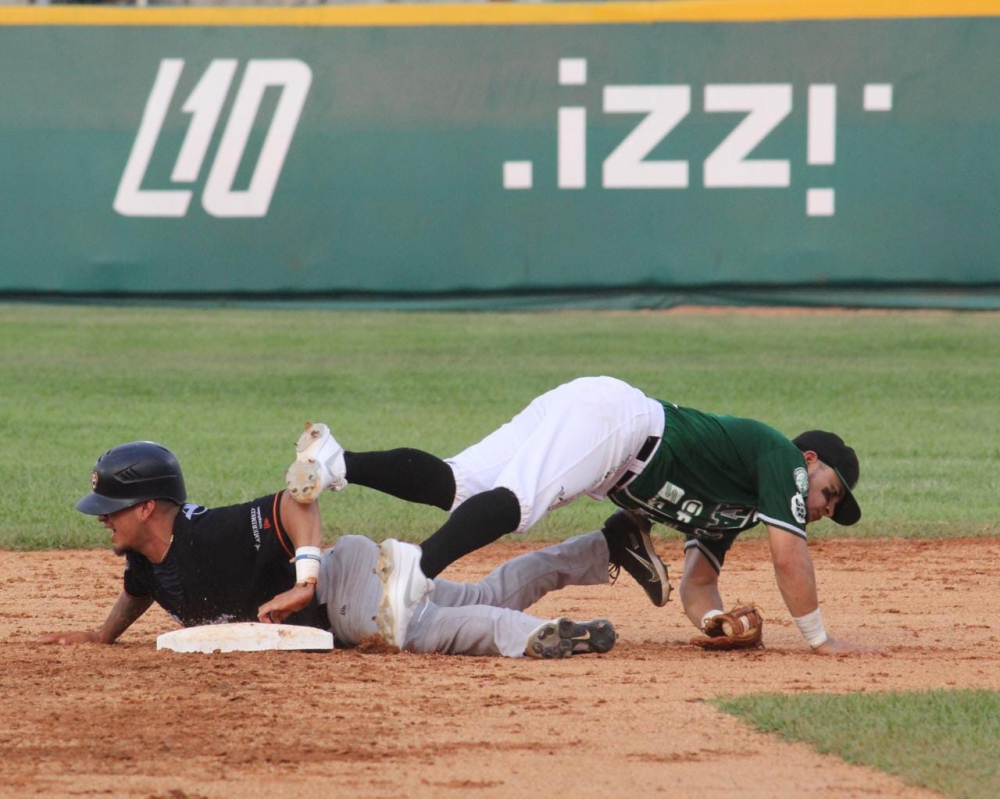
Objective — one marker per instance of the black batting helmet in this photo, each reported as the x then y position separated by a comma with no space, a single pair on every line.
130,474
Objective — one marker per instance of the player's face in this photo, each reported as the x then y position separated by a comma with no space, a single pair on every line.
125,527
825,491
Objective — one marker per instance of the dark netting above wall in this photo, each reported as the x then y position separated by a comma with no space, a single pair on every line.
941,298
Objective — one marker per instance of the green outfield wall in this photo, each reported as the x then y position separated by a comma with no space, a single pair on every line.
420,151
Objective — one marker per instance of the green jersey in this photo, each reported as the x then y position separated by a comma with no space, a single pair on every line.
714,476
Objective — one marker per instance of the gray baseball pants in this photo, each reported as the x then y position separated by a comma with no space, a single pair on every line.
482,618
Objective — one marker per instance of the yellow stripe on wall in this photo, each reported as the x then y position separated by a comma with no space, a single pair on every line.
501,13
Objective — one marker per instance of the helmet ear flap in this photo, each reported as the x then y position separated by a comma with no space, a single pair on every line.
132,473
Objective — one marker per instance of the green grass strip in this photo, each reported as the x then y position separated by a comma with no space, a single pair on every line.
948,741
228,389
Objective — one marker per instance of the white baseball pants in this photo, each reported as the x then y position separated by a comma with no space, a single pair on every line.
575,440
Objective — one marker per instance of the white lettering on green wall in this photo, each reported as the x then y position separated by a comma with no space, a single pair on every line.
205,105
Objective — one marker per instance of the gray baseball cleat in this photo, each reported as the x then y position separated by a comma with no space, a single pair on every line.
404,587
631,548
563,637
319,465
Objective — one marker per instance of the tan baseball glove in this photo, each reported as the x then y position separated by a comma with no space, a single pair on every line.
740,628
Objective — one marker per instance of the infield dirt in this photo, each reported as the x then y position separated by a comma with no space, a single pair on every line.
127,720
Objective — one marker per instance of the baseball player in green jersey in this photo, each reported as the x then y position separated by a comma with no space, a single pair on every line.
709,476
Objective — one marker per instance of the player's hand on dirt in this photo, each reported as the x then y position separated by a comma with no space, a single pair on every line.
837,646
276,610
84,637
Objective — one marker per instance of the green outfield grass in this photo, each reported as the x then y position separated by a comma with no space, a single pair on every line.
948,741
228,390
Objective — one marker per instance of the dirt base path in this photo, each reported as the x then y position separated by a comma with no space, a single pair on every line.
129,721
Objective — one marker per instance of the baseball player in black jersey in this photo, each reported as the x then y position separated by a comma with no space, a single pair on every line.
261,561
710,476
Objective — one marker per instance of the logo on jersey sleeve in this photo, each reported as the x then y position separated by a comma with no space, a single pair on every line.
256,522
799,508
191,510
801,478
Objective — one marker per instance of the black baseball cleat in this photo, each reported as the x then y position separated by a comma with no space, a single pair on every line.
631,548
563,637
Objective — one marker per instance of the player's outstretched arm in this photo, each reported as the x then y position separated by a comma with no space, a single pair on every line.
793,569
125,611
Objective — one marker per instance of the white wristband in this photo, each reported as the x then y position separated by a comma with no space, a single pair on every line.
709,614
307,564
811,627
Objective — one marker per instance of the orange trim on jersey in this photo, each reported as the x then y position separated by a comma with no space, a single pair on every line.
283,538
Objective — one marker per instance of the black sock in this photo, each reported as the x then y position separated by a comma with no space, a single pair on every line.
409,474
478,521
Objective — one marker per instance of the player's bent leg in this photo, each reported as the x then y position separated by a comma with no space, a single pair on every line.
470,630
522,581
591,433
350,589
479,521
563,637
477,467
406,473
319,464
